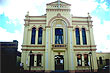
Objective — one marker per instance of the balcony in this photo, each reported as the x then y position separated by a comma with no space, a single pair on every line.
59,47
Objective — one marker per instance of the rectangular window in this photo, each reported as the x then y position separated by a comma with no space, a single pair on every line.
86,59
77,36
79,60
39,59
32,60
33,35
40,32
84,36
58,36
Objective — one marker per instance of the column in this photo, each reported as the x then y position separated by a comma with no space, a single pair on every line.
83,60
81,42
43,37
29,36
36,36
53,35
42,61
87,37
47,49
74,37
35,60
70,49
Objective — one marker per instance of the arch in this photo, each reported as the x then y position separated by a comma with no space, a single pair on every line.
58,17
33,27
78,27
84,28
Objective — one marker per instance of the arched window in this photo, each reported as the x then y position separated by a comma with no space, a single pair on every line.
100,59
58,36
40,35
84,36
33,35
77,36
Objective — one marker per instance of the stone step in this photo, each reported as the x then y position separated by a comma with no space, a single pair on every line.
60,71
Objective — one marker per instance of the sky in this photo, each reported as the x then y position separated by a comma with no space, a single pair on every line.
12,14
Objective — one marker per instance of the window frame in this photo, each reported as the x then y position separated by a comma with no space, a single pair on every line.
33,35
84,39
77,32
40,34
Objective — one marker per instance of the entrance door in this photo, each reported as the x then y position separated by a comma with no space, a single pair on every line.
59,62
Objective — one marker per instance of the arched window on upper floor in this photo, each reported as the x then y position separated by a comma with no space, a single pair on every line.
33,35
59,36
84,36
77,36
40,31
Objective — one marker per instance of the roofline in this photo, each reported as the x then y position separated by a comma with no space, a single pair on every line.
57,1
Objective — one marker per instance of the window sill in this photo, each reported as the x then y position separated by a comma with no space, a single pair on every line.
82,66
36,66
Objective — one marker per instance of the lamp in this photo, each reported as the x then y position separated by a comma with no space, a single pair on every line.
90,53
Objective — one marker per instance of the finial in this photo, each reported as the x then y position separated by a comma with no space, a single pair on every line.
58,3
27,13
89,14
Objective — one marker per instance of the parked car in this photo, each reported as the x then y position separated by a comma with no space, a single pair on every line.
106,67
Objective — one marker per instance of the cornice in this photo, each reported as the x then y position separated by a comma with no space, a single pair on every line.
47,26
33,45
84,46
82,21
58,10
69,26
81,17
33,49
84,49
37,16
37,20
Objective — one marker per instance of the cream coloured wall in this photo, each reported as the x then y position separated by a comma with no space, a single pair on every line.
58,18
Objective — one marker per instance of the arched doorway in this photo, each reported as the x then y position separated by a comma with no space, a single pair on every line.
59,62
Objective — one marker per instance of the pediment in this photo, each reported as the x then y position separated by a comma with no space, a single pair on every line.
61,3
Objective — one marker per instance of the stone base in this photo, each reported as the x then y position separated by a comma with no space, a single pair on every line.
47,71
72,71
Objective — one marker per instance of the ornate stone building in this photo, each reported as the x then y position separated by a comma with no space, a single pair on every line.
58,41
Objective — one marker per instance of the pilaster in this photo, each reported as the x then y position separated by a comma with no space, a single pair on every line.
36,41
47,50
81,42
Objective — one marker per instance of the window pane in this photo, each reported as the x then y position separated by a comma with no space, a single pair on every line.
40,35
84,36
79,60
32,60
86,59
77,36
33,35
39,60
58,36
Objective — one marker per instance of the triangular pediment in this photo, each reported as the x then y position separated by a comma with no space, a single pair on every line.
61,3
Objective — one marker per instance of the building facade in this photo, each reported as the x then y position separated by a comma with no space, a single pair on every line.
8,56
58,40
103,59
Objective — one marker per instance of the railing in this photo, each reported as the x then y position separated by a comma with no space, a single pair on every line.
58,46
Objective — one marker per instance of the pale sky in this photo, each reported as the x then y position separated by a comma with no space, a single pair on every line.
12,14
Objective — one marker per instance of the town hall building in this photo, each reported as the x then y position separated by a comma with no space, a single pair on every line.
58,40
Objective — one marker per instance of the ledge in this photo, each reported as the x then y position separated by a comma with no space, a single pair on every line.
33,45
